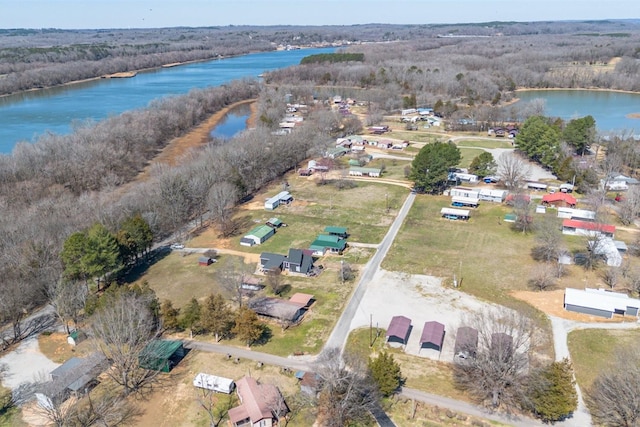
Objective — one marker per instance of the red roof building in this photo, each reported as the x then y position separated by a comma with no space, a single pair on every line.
587,228
399,330
259,404
559,199
432,335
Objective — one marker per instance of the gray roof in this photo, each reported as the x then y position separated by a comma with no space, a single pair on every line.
298,257
466,340
276,308
269,260
75,374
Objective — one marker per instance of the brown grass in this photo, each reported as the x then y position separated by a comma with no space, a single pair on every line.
56,348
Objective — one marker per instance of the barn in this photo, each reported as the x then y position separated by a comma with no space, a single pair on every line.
432,335
466,344
599,302
399,330
257,235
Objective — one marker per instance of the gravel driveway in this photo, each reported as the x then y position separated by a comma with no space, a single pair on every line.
26,363
420,298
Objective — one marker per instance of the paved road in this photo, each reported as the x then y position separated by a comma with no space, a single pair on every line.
340,332
561,328
467,408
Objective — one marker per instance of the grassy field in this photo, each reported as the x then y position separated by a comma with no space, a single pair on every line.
484,253
468,154
483,143
593,349
393,168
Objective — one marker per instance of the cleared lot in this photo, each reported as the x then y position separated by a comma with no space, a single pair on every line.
420,298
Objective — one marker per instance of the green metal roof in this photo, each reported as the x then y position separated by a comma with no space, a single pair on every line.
275,221
161,349
327,241
335,230
366,170
260,231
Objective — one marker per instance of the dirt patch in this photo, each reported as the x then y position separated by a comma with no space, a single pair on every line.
56,347
552,303
633,116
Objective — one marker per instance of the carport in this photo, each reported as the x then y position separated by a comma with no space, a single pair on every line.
399,330
466,342
432,336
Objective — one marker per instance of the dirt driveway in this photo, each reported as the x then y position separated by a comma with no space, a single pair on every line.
26,363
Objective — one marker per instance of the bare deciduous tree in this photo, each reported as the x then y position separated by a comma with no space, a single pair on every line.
347,393
513,171
548,239
68,300
543,277
229,275
121,330
221,200
496,377
613,396
215,405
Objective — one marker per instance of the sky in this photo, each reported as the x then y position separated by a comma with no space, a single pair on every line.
94,14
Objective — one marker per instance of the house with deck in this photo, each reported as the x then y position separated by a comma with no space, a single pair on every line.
327,243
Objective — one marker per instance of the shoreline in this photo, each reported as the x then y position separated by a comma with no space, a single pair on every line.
576,89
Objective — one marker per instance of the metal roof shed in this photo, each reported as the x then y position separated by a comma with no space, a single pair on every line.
399,330
432,335
161,355
466,344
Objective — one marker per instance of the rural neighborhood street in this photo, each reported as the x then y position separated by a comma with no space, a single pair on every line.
338,336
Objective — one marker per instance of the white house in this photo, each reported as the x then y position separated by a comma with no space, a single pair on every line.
466,177
587,228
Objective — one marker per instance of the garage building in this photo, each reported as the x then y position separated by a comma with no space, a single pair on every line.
432,336
399,330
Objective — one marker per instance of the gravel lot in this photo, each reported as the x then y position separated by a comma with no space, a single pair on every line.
25,364
420,298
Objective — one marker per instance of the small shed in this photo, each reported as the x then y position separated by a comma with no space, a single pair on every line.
336,231
309,382
274,223
432,335
214,383
466,344
251,283
161,355
399,330
205,261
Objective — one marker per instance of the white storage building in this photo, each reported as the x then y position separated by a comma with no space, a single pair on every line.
599,302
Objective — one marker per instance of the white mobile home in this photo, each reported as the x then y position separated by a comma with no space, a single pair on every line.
214,383
454,214
464,202
489,195
579,214
538,186
466,177
281,198
464,192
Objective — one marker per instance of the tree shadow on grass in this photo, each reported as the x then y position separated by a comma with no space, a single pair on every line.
134,272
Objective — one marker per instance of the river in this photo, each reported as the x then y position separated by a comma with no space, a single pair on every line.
25,116
610,109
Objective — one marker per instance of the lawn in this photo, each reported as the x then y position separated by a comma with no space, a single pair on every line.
468,154
393,168
483,143
485,254
593,349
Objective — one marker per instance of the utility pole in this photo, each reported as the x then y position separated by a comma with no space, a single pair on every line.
371,330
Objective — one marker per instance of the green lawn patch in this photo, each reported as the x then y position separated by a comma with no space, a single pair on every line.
592,350
468,154
484,143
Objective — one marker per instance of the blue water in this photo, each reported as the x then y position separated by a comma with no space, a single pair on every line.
609,109
233,122
25,116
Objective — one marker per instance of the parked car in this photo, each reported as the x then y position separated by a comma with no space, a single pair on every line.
177,246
